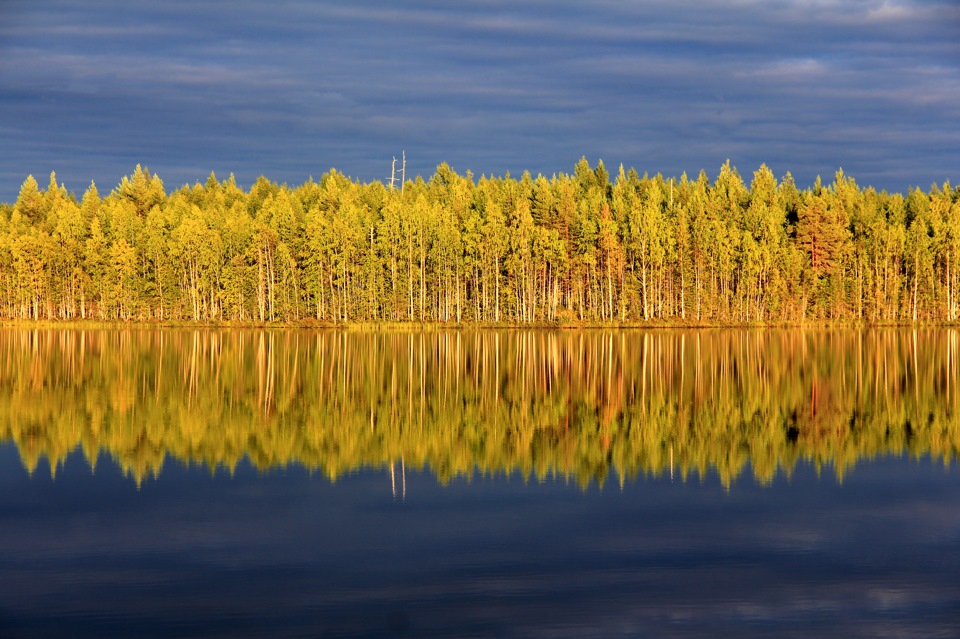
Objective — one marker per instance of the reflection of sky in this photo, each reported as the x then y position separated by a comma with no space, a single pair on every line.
293,87
286,554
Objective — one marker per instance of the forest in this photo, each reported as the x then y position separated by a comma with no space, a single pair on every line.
575,249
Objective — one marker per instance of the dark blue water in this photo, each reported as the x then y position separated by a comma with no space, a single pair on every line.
195,554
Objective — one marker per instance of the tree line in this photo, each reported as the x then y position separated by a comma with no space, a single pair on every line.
574,248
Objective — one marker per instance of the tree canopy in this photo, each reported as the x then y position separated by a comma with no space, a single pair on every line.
590,247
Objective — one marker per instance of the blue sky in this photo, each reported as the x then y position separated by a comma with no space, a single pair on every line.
290,88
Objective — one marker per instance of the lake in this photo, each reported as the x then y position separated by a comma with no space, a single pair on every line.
514,483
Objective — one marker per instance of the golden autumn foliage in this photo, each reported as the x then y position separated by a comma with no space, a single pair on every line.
584,248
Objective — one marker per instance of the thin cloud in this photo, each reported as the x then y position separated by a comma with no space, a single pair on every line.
793,70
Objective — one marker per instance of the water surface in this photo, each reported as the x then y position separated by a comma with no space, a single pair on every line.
515,483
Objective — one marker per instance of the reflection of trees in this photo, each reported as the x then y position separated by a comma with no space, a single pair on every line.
575,404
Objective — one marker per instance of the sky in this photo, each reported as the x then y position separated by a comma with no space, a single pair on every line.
289,89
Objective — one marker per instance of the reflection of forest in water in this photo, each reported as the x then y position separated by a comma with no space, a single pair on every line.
574,404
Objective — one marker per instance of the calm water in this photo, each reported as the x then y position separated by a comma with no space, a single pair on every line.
490,484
